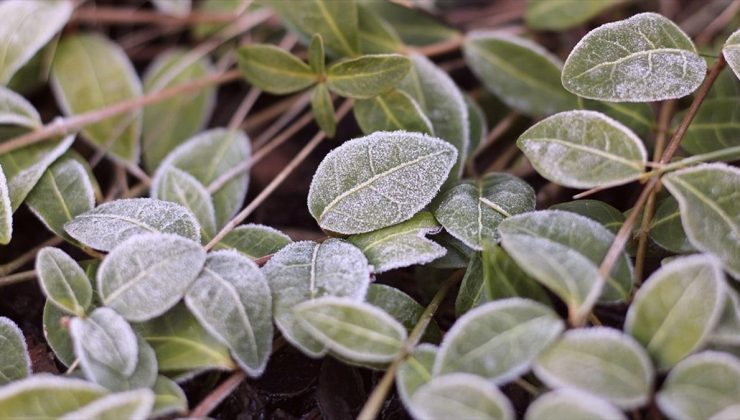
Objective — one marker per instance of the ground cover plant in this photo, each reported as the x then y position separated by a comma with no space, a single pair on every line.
531,212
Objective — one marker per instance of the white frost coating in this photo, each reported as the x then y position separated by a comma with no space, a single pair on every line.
355,330
378,180
130,405
63,281
16,110
14,360
254,240
498,340
602,361
46,384
148,274
461,396
231,299
6,210
644,58
731,51
308,270
570,403
107,337
110,224
177,186
584,149
414,372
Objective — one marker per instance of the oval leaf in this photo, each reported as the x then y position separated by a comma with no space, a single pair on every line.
14,361
390,111
605,214
108,338
254,241
571,404
727,331
47,396
666,229
461,396
133,405
402,307
563,14
14,108
274,70
322,108
169,398
176,186
56,333
63,281
367,76
731,51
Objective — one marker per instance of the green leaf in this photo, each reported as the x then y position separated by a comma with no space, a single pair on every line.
700,386
274,70
639,117
91,72
413,25
231,299
304,271
481,341
731,412
182,344
177,186
600,361
173,7
462,396
63,281
520,72
390,111
605,214
666,229
64,192
644,58
148,274
402,307
316,55
46,396
367,179
472,291
136,404
57,334
254,241
563,251
169,398
358,331
568,403
16,110
401,245
727,331
367,76
471,210
14,361
322,108
377,36
170,122
6,210
731,51
415,371
110,224
478,126
108,338
563,14
709,198
584,149
458,254
25,27
716,126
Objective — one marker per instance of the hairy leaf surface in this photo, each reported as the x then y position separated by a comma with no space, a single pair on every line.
14,361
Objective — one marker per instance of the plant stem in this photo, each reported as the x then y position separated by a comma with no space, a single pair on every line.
28,256
129,16
17,278
218,395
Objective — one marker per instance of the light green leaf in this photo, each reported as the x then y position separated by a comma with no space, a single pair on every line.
377,36
25,27
731,51
563,14
478,126
639,117
471,210
14,361
727,331
415,371
15,109
709,198
666,229
110,224
107,337
6,210
322,108
499,340
358,331
169,398
520,72
148,274
687,294
273,69
570,404
368,75
305,271
316,55
132,405
63,281
700,386
644,58
91,72
56,333
173,7
364,184
177,186
204,30
413,25
600,361
46,396
462,396
231,299
402,307
401,245
390,111
584,149
170,122
254,241
605,214
716,126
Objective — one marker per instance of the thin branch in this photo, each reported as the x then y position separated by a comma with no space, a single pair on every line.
293,111
17,278
28,256
444,47
719,23
129,16
220,393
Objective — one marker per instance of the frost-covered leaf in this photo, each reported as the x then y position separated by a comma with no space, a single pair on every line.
401,245
563,250
600,361
131,405
638,116
254,241
25,27
169,398
377,181
231,299
148,274
14,361
520,72
110,224
274,70
644,58
389,111
608,216
173,7
305,271
584,149
478,126
63,281
177,186
471,210
727,331
571,404
731,51
57,334
443,102
91,72
687,295
700,386
209,155
172,121
6,210
415,371
709,198
182,344
358,331
16,110
46,396
63,192
499,340
322,108
716,126
563,14
462,396
107,337
666,229
401,307
367,76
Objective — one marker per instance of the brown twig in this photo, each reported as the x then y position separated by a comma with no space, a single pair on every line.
719,23
17,278
28,256
130,16
220,393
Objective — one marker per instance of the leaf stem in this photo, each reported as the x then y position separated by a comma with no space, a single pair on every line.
28,256
17,278
128,16
215,397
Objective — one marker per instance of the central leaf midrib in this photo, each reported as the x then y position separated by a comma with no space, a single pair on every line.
591,150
